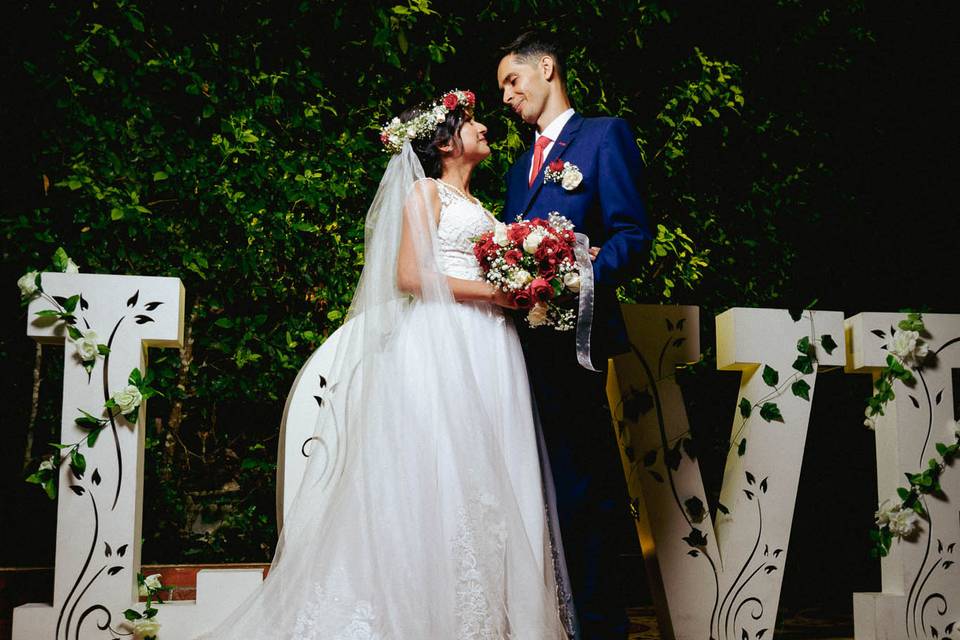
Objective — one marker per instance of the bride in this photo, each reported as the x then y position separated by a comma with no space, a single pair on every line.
429,523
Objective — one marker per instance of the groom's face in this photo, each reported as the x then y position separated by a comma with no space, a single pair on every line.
524,85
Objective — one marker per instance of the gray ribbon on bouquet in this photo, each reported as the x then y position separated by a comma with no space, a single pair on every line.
585,313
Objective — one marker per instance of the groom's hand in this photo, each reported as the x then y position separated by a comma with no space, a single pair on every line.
593,252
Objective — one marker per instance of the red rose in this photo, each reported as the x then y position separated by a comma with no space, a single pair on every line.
450,101
547,270
541,289
521,298
556,166
565,254
512,257
548,247
568,236
471,99
518,232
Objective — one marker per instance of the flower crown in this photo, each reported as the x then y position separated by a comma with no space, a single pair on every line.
395,133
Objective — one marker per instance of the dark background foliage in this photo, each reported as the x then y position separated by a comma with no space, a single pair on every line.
796,156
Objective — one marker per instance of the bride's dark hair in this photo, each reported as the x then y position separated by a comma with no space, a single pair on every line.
428,148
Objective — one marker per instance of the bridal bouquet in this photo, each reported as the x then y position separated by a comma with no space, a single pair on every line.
534,262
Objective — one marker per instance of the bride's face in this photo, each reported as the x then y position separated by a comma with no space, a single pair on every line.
473,136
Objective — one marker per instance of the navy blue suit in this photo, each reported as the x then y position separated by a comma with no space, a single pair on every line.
592,501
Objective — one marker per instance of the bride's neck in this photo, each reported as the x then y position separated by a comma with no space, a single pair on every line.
457,176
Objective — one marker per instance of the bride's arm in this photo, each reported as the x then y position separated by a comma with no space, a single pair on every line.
408,272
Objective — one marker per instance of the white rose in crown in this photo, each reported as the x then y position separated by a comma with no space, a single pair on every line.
150,583
46,464
537,316
28,284
87,345
532,242
127,400
500,234
144,628
566,173
71,267
572,281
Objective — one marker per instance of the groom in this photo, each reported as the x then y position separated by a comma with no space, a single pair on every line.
592,502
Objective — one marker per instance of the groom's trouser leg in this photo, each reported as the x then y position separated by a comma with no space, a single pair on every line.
592,500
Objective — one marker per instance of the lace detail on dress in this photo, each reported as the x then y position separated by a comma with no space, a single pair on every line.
479,552
460,220
333,611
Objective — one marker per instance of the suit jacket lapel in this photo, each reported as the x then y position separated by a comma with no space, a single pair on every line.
560,147
518,184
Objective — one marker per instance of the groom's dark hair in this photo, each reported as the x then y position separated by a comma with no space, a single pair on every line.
529,46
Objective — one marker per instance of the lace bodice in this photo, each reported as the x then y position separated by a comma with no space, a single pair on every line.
460,220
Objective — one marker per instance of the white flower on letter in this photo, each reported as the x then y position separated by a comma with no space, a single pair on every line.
145,628
882,515
903,522
151,583
127,400
572,281
870,422
908,347
87,345
28,284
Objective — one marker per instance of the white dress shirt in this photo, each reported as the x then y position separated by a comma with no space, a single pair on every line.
552,131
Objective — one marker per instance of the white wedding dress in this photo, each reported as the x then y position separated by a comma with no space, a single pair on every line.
432,524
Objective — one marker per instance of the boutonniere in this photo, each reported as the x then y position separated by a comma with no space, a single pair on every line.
566,173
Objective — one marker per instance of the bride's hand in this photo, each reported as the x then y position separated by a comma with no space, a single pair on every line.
502,299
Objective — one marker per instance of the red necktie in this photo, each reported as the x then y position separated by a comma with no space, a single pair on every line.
538,148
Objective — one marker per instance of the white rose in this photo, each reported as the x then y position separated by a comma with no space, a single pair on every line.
28,284
921,351
151,583
521,277
907,346
903,343
571,178
87,345
127,400
146,628
71,267
572,281
538,315
903,522
532,242
46,464
883,513
869,422
500,234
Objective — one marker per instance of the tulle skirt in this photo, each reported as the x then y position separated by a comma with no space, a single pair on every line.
434,526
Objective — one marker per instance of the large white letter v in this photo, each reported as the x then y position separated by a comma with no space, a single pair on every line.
718,580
